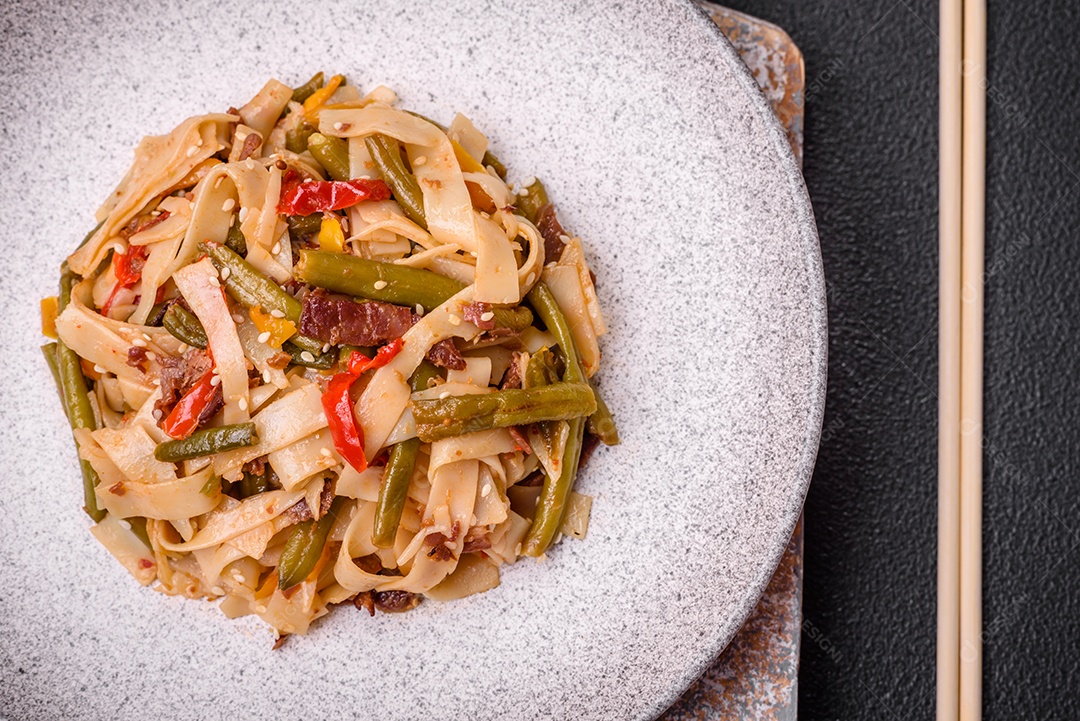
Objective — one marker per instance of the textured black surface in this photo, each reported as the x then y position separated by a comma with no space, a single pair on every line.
871,166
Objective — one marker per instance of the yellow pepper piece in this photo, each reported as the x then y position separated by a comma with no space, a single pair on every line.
468,163
314,104
49,308
280,329
331,237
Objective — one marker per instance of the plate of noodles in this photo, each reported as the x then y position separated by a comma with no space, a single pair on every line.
394,361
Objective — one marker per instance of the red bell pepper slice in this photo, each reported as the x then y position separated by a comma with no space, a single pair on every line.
337,405
184,417
299,198
127,267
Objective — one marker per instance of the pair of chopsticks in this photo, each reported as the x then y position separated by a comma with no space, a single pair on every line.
962,148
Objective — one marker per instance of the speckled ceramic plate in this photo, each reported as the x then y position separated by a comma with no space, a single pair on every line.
658,149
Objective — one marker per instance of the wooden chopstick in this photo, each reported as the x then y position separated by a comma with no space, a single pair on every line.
973,224
949,214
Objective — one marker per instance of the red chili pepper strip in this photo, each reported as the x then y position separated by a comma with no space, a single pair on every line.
127,267
299,198
184,418
337,405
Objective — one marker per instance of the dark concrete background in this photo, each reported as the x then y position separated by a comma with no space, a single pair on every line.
871,167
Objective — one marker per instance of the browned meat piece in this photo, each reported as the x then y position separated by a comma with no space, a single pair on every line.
512,379
446,355
137,358
549,227
178,375
337,319
478,314
395,601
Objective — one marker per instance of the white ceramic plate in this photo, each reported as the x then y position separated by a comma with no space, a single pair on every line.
658,150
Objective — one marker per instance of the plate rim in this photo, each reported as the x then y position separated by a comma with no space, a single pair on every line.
808,234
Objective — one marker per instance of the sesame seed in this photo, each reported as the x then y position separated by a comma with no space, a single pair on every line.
325,452
420,310
242,403
307,357
264,336
182,348
485,214
262,609
523,192
98,369
325,347
239,578
155,382
528,181
119,248
487,316
243,214
192,150
155,213
151,355
214,281
277,313
157,414
565,239
228,205
444,395
454,320
250,164
218,590
125,524
237,318
420,160
530,279
337,126
215,380
276,249
380,284
365,177
138,342
485,491
517,550
266,376
226,272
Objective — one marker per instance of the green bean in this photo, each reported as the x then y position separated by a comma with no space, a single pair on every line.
252,484
251,288
551,506
319,361
355,276
207,442
386,155
183,325
400,284
394,488
543,302
305,91
305,546
541,370
157,313
332,153
529,205
235,240
49,351
552,502
76,400
138,527
304,226
212,487
393,492
457,415
422,376
602,424
490,159
296,138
